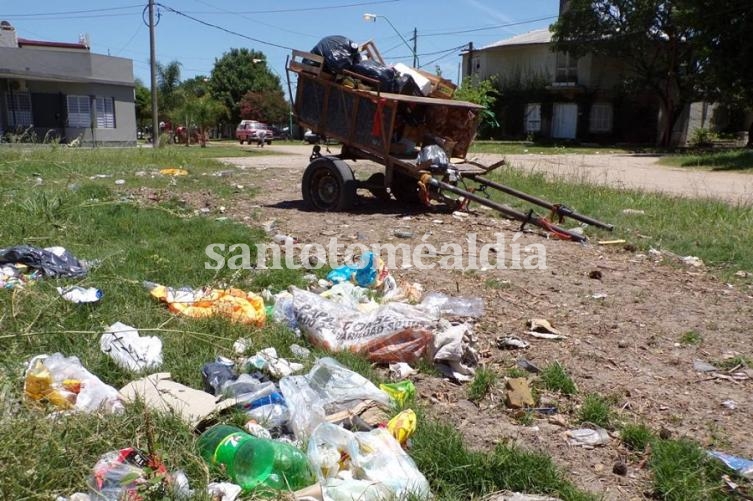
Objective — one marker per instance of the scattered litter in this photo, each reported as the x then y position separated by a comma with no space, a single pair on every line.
17,276
741,466
241,345
267,359
66,384
599,295
518,393
527,366
223,491
257,430
541,325
730,404
401,370
460,215
300,351
120,181
588,437
160,393
442,304
369,271
517,496
633,212
235,304
693,261
742,274
611,242
511,342
377,466
78,295
403,234
454,352
400,393
545,335
120,474
701,366
217,374
52,261
100,176
130,351
402,426
173,172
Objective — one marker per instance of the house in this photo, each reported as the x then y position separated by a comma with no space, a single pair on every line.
54,90
552,95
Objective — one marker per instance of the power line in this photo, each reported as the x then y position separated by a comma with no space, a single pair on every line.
256,20
69,12
231,32
302,9
484,28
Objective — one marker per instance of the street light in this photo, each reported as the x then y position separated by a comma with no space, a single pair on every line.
371,18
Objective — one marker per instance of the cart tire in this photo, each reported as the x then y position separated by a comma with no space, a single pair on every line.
241,140
404,188
377,179
328,185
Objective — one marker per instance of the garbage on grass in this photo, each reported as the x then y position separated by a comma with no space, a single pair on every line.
17,275
542,329
51,261
223,491
78,295
173,172
511,343
130,351
589,437
235,304
268,360
453,351
363,465
369,271
402,426
66,384
452,306
741,466
401,392
217,374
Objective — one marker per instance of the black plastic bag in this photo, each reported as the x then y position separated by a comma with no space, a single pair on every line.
50,263
432,157
384,74
339,53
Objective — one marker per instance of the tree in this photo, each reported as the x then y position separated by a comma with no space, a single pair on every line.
143,101
652,37
481,92
725,51
237,73
201,112
196,86
168,84
269,107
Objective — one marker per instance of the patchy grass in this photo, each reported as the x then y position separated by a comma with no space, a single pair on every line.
521,148
555,378
482,384
595,409
741,159
636,436
731,363
684,472
717,232
691,338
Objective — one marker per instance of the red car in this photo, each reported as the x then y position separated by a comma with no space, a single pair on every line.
250,131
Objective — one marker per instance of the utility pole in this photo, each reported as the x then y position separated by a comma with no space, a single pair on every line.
415,48
153,69
470,59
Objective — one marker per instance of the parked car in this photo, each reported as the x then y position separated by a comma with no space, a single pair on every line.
250,130
311,137
279,133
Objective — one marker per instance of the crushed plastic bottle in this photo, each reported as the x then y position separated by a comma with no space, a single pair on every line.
78,295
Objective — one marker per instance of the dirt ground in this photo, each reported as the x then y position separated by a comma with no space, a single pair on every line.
623,330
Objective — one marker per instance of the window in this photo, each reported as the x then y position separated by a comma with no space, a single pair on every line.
19,109
533,117
79,111
105,113
601,117
567,68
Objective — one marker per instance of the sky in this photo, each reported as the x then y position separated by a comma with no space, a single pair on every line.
184,34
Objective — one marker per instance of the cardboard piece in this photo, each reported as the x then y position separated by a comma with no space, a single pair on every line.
160,393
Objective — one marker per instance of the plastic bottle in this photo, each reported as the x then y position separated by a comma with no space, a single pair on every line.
253,462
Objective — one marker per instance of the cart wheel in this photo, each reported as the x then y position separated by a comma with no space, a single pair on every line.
328,185
405,188
375,184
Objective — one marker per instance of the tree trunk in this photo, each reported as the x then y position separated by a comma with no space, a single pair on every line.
750,136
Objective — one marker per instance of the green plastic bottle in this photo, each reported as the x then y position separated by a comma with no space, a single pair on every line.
253,462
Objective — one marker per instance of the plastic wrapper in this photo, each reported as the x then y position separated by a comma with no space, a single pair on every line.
363,465
432,156
339,53
130,351
383,74
52,261
369,271
65,383
118,475
443,304
328,388
395,332
402,426
235,304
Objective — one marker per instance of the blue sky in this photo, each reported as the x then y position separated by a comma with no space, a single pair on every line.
116,27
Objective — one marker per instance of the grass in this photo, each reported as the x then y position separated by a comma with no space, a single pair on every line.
482,384
521,148
691,338
740,159
684,472
717,232
636,436
731,363
555,378
595,409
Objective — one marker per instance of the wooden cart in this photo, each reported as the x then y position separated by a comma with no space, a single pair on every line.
390,129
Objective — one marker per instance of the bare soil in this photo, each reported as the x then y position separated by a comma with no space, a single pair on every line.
625,345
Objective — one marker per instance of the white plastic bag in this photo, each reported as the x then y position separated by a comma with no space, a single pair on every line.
395,332
130,351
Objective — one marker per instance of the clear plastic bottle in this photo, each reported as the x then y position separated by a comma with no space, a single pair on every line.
253,462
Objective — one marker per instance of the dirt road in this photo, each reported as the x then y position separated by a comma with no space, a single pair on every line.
625,314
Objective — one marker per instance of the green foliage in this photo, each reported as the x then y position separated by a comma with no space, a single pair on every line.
168,85
595,409
268,107
239,72
555,378
702,137
684,472
691,338
636,436
482,383
716,160
143,98
484,93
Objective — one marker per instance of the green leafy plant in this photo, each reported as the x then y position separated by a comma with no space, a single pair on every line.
595,409
555,378
482,383
636,436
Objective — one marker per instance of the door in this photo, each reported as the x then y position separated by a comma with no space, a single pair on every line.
564,120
